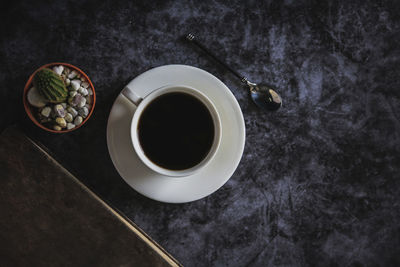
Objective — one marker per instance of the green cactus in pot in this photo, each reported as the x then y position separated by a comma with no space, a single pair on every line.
50,85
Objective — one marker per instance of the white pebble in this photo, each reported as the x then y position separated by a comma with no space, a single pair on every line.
46,112
76,84
72,74
77,101
83,112
83,79
35,98
82,102
72,93
64,105
67,81
61,121
58,69
59,110
78,120
83,91
85,85
68,117
72,111
66,71
70,126
57,128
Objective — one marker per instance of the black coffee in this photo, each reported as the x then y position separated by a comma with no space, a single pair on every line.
176,131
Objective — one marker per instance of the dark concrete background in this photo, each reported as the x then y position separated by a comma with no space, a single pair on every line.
318,184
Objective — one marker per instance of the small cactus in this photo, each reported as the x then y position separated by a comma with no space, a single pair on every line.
50,85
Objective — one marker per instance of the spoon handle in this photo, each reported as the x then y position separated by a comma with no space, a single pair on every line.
193,39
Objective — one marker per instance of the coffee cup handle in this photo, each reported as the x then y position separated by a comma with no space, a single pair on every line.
134,98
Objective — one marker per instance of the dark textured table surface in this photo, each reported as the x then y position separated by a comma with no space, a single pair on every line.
318,183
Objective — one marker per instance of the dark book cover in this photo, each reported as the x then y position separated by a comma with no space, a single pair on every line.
49,218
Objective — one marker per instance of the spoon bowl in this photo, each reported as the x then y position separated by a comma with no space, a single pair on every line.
265,97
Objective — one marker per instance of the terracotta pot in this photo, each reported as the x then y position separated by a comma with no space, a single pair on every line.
30,110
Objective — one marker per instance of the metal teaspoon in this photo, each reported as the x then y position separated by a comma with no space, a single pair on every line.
262,94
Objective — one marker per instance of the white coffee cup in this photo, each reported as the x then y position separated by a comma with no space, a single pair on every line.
141,102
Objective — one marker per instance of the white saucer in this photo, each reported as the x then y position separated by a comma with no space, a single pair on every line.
170,189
